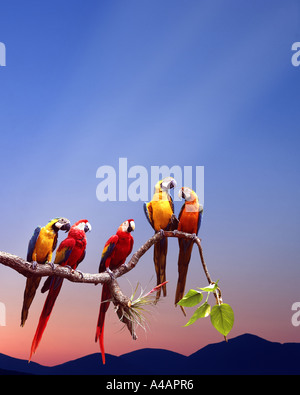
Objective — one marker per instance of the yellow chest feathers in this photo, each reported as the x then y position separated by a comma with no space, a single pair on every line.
44,246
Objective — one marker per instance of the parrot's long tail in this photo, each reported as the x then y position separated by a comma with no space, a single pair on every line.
160,259
45,315
32,284
105,301
185,251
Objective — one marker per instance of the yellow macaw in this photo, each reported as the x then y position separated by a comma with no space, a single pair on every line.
159,212
40,248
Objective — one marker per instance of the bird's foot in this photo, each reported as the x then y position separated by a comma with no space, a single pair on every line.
80,272
52,265
112,276
175,231
194,236
71,269
162,232
34,265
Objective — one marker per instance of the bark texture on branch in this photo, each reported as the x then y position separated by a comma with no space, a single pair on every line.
118,298
25,268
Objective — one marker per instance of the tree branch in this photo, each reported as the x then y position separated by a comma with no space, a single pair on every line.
118,298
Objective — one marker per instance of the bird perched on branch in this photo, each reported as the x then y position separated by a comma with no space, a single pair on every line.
70,253
116,250
189,222
40,248
159,212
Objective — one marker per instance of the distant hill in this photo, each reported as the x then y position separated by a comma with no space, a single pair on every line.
245,354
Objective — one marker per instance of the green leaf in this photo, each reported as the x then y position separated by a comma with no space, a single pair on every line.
211,287
222,318
192,298
201,312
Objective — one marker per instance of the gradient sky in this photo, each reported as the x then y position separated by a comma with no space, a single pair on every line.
187,83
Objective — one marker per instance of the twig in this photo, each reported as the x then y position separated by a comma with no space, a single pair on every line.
118,298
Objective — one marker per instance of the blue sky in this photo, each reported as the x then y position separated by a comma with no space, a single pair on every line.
188,83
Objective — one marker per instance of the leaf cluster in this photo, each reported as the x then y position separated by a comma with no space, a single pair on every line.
221,314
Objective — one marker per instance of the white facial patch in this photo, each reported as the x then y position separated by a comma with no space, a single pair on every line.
81,225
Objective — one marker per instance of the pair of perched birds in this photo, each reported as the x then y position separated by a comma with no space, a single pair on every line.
71,251
160,214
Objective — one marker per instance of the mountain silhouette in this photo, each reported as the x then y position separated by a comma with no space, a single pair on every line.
244,354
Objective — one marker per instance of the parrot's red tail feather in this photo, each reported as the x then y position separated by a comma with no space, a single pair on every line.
38,335
185,251
100,325
101,342
45,315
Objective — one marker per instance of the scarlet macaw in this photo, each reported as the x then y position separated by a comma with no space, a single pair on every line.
159,212
70,252
40,248
114,254
189,221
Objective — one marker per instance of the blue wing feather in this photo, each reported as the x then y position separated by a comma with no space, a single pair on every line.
199,221
32,243
148,216
61,258
107,251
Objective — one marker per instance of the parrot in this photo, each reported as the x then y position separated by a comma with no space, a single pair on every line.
189,218
114,254
70,253
40,248
159,213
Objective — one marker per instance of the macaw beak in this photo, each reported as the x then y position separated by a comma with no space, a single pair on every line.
63,224
87,227
168,183
66,227
181,194
131,226
184,193
173,184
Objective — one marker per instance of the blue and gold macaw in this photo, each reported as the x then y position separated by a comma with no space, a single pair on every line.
159,212
40,248
189,222
70,253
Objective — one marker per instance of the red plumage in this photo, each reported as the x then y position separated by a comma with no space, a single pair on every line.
70,252
114,254
189,222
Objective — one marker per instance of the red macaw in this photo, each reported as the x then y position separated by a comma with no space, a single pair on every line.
40,248
70,253
116,250
159,213
189,221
